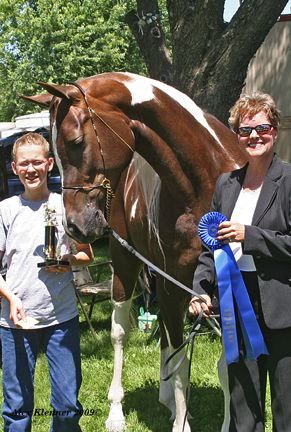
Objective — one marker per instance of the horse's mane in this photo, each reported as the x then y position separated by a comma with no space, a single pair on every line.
148,184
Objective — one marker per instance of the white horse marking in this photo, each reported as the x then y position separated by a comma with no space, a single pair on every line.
142,90
179,384
223,379
133,209
166,395
54,135
119,332
55,150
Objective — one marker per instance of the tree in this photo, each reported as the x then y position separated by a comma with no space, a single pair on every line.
209,57
60,41
185,43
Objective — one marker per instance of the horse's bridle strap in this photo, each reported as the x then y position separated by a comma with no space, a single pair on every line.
85,188
105,184
99,117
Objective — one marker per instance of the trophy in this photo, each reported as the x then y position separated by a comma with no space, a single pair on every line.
51,251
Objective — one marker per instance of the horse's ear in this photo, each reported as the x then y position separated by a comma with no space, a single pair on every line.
41,99
68,92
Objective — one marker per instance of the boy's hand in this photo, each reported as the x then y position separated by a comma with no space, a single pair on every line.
16,310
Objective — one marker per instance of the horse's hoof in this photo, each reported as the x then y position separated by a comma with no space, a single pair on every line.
114,425
116,420
179,428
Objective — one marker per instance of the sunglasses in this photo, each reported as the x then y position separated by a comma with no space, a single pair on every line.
261,129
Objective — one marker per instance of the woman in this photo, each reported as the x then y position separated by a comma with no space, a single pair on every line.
257,201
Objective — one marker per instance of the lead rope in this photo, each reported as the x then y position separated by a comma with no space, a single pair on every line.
211,319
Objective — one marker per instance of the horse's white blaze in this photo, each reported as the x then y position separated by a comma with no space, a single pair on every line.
55,150
141,90
54,135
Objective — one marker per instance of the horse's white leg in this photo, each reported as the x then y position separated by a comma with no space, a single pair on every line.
179,385
120,326
223,378
166,395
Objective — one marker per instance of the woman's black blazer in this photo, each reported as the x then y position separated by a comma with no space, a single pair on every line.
268,240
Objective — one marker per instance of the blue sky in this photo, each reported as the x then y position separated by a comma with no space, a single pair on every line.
232,5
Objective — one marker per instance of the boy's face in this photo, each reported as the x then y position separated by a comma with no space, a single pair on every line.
32,166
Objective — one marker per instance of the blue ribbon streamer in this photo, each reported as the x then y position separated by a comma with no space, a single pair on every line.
231,286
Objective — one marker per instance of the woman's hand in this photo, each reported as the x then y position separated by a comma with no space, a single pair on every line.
16,309
197,304
229,231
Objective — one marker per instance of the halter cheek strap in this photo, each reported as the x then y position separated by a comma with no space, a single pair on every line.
91,112
105,184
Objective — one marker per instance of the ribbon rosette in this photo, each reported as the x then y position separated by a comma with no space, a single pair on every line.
231,287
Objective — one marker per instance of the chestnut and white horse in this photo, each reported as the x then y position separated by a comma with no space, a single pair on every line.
148,155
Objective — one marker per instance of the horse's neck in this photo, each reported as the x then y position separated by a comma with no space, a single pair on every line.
188,173
183,183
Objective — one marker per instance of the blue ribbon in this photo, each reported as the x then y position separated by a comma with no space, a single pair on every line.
231,287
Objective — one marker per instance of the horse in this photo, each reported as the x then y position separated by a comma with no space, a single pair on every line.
140,156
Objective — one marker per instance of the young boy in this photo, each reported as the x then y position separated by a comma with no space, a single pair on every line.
39,305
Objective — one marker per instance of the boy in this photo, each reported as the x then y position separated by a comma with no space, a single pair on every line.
39,305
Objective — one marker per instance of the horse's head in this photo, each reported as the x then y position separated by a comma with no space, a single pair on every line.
93,144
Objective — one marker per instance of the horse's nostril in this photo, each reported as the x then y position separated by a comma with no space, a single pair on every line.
71,227
72,230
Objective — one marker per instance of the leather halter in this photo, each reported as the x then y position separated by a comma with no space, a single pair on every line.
105,184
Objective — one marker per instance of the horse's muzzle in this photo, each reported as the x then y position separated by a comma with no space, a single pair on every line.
86,229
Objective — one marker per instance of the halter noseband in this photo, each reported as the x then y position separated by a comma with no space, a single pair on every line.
105,184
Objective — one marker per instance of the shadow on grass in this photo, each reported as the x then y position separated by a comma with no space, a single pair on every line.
98,325
99,347
205,403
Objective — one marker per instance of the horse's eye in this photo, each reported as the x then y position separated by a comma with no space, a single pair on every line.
75,149
77,141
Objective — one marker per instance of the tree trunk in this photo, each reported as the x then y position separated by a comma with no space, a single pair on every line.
209,56
146,27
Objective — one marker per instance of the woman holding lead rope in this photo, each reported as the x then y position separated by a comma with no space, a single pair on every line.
256,201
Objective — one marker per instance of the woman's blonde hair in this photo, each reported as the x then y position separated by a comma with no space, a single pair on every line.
251,105
31,138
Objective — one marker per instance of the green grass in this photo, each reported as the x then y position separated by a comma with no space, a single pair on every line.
141,379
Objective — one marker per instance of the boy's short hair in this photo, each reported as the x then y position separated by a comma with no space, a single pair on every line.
31,138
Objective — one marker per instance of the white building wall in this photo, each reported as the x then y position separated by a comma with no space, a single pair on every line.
270,71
